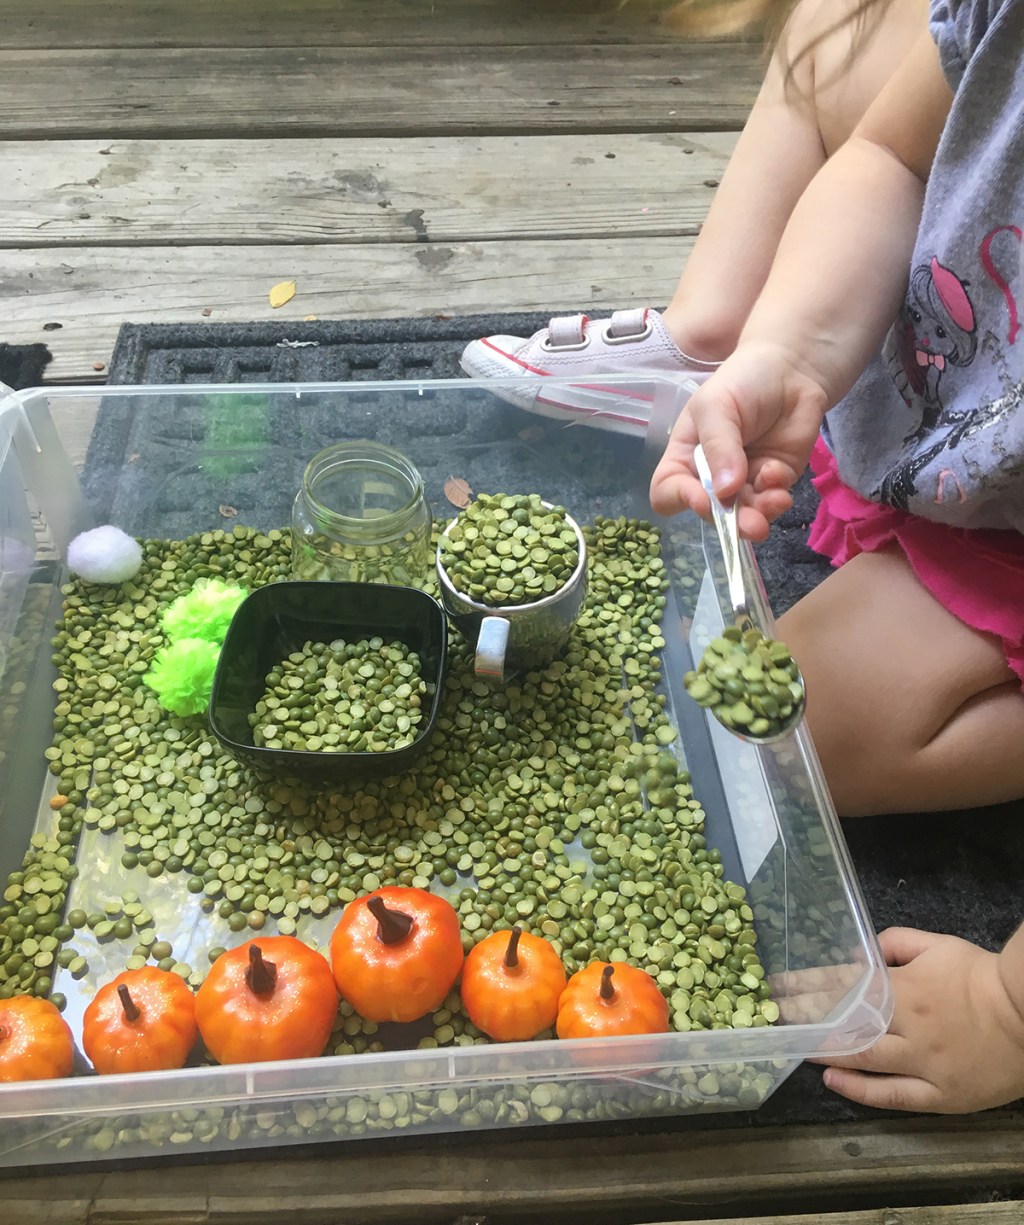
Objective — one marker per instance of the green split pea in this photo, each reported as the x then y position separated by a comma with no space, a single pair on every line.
751,683
342,697
507,550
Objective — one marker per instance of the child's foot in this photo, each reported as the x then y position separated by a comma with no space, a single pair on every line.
630,342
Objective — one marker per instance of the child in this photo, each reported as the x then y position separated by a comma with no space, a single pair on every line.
917,219
922,628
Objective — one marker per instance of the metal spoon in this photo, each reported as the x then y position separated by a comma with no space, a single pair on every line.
724,518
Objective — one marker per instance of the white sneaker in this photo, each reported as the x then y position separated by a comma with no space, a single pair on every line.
630,342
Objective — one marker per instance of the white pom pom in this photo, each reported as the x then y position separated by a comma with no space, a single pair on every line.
105,555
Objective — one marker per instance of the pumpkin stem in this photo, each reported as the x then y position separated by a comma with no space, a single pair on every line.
131,1012
392,925
261,975
512,952
607,990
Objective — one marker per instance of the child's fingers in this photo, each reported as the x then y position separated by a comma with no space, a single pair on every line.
721,436
882,1092
769,472
674,489
891,1055
675,486
900,945
756,512
752,524
755,528
769,502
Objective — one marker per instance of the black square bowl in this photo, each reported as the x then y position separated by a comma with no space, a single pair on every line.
278,619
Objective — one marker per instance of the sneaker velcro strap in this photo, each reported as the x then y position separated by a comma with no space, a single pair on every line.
567,330
628,323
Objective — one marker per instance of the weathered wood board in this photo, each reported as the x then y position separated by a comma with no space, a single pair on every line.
649,1177
187,92
53,24
90,291
282,192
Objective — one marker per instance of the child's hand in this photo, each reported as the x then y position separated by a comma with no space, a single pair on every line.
757,418
956,1041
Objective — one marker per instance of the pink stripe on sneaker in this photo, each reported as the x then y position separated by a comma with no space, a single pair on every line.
512,358
620,392
602,389
593,412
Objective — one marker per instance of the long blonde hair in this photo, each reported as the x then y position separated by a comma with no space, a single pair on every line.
725,18
728,18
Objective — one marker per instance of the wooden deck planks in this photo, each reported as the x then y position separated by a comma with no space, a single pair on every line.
90,291
438,135
649,1177
283,192
306,91
53,24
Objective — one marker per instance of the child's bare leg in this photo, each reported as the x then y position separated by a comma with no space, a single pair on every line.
793,127
910,710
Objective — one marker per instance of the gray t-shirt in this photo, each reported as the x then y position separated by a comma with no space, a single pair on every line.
935,424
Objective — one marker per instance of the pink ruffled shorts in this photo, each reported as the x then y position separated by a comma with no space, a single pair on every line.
977,574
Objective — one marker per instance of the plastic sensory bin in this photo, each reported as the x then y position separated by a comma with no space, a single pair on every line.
277,620
590,801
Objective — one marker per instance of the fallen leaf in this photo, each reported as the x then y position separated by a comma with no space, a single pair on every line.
458,492
443,318
282,292
532,433
228,512
311,318
207,311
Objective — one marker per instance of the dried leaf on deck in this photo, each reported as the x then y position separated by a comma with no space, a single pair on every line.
282,292
228,512
458,491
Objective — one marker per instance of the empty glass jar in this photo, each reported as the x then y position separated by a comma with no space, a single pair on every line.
361,516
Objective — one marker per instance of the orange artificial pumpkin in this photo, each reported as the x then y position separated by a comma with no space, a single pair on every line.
270,998
143,1021
604,1000
35,1040
511,985
396,953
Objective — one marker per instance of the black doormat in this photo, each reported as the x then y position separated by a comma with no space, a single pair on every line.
23,365
324,351
956,872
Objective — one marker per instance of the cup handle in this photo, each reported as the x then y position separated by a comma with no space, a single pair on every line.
491,641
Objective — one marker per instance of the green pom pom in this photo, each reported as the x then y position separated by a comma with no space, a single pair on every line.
182,675
203,612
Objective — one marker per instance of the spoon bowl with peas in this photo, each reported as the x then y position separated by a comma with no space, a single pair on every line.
751,683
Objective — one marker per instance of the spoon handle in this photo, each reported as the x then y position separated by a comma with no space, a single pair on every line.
728,535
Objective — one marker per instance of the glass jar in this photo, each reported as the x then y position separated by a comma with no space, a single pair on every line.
361,516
